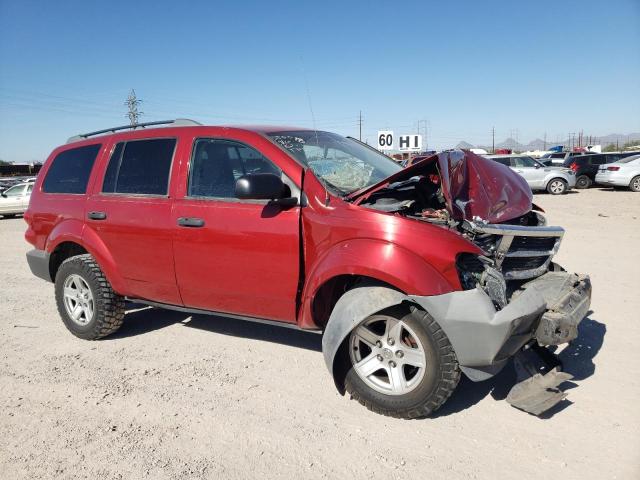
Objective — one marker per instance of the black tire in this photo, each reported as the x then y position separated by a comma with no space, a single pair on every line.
583,182
108,311
634,185
440,379
557,186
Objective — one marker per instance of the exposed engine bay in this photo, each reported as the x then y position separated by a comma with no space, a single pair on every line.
517,248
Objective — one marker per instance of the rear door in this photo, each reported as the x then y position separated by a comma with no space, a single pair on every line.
130,211
231,255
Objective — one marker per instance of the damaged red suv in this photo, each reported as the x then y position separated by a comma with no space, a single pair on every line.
414,276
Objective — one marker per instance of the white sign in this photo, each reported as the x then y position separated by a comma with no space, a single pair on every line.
410,143
385,140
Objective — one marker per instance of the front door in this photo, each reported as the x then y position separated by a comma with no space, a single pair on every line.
532,172
234,256
130,211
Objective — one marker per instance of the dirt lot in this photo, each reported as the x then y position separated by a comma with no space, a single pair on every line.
179,396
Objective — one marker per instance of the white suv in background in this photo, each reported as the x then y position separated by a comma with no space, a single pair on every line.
623,173
15,200
555,180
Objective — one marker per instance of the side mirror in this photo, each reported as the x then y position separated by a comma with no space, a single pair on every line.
264,186
3,194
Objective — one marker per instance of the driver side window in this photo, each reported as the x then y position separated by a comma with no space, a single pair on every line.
217,164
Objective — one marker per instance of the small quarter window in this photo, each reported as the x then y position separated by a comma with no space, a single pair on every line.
70,170
140,167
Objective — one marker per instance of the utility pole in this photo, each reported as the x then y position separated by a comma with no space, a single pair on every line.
545,140
493,139
132,103
360,125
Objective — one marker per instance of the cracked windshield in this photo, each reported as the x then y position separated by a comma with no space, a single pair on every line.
342,164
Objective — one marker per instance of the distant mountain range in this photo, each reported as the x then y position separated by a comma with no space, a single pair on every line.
539,144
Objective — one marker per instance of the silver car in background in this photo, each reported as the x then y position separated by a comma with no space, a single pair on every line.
555,180
15,200
623,173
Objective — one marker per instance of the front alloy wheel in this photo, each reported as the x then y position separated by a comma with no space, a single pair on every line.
400,363
387,355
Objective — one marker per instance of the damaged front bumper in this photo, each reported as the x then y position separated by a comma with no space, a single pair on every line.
547,309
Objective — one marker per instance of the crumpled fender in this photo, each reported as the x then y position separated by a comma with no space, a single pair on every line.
353,307
475,329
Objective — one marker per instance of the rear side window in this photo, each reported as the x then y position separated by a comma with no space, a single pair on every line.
596,159
70,170
140,167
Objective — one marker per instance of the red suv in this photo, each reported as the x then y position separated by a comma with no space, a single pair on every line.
413,275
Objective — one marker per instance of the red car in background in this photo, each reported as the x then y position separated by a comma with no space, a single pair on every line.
413,275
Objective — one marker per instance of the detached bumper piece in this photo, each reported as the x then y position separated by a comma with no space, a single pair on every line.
538,380
568,299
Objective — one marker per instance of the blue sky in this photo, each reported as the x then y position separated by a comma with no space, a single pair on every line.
464,66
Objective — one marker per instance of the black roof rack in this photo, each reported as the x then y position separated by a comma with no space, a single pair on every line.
177,122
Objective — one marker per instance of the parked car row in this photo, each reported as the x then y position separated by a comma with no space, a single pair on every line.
7,182
575,170
555,180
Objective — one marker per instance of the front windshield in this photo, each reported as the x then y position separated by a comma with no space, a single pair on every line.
342,164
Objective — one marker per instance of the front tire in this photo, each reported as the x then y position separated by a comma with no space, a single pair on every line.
634,185
583,182
557,186
400,364
89,307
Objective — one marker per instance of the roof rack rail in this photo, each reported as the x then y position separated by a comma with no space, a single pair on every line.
177,122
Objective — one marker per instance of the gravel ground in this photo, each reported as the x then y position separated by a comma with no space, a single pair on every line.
178,396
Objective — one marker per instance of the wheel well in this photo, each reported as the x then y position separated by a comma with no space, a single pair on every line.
330,292
61,253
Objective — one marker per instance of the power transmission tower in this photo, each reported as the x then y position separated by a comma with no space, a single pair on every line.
132,103
360,125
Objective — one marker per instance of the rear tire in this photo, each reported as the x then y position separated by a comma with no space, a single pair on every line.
420,393
557,186
583,182
89,307
634,185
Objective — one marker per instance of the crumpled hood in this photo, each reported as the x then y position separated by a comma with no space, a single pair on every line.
472,186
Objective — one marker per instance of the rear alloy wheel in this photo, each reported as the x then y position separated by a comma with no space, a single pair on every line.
635,184
89,307
557,186
583,182
400,364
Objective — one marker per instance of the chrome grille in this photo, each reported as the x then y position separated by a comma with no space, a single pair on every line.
522,252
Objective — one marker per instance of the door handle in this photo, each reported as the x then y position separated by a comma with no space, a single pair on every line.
97,215
192,222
